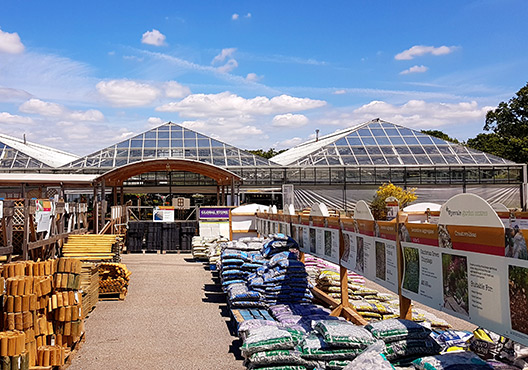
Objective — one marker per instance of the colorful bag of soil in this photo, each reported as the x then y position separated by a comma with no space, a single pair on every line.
452,361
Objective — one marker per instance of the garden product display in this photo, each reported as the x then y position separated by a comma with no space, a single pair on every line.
51,355
372,358
411,347
113,278
314,347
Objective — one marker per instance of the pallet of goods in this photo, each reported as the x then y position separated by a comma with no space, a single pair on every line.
113,281
92,247
42,305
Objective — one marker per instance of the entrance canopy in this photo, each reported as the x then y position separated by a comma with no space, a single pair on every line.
117,176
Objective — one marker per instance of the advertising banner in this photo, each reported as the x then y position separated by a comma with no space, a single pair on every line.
214,213
163,214
43,215
385,255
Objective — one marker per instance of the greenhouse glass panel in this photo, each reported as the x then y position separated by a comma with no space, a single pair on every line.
122,153
149,153
402,150
487,175
333,160
219,161
368,175
177,153
163,153
431,150
377,132
407,159
466,159
123,144
369,141
344,150
378,160
363,160
120,162
189,143
383,140
373,150
515,174
417,150
364,132
443,175
136,143
405,131
352,175
457,175
308,175
424,140
480,158
387,150
163,143
354,141
393,160
341,142
396,140
163,134
204,143
451,159
383,175
413,175
428,175
150,135
136,154
397,175
348,160
359,151
472,175
437,159
410,140
188,134
422,159
176,133
392,132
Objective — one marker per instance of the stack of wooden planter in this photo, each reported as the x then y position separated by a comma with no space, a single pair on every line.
89,286
66,302
113,280
42,301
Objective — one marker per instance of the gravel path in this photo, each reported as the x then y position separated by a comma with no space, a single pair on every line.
173,317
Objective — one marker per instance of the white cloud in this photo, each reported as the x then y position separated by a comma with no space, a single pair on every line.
289,120
224,54
235,16
228,67
227,104
10,119
154,121
54,110
128,93
248,15
419,50
414,69
153,37
8,94
253,77
233,131
10,43
339,92
175,90
289,143
418,114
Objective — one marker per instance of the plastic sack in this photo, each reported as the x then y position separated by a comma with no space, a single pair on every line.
397,329
343,334
411,347
452,361
371,358
269,338
314,347
275,357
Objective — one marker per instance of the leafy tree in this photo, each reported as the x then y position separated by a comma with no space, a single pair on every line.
509,129
390,190
266,154
441,135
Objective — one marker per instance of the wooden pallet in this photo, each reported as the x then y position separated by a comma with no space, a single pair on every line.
240,315
113,296
90,247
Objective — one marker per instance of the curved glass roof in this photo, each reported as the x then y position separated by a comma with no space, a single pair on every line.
169,141
385,144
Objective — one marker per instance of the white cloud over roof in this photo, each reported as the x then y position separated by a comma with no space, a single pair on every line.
10,43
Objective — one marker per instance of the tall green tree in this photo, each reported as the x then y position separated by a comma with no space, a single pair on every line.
266,154
507,128
441,135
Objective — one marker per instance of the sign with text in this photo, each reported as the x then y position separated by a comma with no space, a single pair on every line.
214,213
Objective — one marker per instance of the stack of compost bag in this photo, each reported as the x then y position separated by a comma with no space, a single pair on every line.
335,343
282,279
300,316
274,347
199,247
404,340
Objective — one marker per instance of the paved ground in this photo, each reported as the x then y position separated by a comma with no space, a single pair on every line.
174,317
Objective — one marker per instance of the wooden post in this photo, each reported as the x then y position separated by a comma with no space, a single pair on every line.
233,203
405,303
9,210
122,196
230,226
94,210
114,195
103,203
217,194
25,242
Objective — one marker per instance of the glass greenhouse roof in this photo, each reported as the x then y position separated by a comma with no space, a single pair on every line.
21,154
169,141
380,143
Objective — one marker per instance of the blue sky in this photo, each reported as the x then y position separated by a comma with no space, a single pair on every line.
80,76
